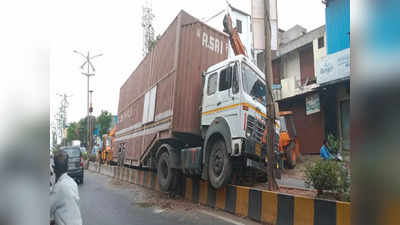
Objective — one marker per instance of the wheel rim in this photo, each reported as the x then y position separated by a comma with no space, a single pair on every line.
218,162
164,169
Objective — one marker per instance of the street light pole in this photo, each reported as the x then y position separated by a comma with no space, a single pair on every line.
89,64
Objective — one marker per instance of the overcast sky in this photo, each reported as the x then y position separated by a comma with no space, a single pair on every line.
113,28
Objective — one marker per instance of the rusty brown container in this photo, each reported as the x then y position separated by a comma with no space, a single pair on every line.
173,68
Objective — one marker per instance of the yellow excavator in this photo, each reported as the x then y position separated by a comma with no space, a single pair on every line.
289,145
106,151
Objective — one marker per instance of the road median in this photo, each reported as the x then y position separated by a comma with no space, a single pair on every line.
259,205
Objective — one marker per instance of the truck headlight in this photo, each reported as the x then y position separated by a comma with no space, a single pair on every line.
248,133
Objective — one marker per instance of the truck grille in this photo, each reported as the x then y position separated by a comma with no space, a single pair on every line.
255,128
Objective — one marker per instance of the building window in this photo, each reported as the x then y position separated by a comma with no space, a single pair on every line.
225,78
212,84
321,42
239,26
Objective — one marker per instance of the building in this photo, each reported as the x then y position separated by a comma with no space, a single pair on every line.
311,73
333,70
294,83
242,21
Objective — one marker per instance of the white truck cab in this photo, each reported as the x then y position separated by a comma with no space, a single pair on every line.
233,109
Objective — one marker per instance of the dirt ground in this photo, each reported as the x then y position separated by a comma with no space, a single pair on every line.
298,171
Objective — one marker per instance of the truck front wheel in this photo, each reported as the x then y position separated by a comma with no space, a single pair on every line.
219,165
166,175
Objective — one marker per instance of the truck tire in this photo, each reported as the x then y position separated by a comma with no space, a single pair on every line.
219,165
166,175
291,157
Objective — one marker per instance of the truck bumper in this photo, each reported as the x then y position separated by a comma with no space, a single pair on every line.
255,150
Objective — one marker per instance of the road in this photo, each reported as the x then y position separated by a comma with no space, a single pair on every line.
105,201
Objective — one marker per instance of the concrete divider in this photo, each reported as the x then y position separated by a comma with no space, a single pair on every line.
260,205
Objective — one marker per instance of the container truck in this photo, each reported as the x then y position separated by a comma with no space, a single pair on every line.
189,109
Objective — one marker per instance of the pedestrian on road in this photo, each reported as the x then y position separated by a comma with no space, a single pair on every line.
324,151
64,198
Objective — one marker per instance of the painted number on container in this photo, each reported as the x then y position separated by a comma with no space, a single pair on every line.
214,44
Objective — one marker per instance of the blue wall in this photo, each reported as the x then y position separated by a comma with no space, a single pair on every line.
337,18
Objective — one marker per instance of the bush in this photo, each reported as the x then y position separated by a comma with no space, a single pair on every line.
92,157
329,176
84,156
333,144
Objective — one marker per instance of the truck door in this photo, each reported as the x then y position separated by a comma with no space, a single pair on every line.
221,95
228,97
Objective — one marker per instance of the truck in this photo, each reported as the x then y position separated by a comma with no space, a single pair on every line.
189,109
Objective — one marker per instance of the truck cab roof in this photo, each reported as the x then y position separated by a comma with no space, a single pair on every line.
234,59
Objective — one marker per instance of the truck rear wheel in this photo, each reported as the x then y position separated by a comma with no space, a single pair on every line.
219,165
166,175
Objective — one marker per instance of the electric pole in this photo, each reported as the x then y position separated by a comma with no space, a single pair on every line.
270,106
88,74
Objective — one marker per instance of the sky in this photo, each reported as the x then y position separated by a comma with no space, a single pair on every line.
113,28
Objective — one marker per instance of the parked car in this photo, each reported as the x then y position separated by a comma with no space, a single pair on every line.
75,163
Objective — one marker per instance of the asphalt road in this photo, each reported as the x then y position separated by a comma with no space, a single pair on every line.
105,201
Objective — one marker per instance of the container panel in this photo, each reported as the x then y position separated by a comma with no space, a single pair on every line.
164,97
174,66
200,47
163,60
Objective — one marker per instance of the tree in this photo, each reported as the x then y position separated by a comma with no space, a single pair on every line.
73,132
82,131
104,122
270,119
152,43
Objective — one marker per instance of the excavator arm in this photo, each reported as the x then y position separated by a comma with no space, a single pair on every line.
236,43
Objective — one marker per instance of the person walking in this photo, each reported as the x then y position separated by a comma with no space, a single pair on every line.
64,198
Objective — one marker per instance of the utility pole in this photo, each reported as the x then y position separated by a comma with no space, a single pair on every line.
88,74
270,106
90,119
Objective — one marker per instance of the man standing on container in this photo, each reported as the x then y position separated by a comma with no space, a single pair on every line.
64,198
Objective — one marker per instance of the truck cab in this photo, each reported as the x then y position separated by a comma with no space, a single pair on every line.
233,120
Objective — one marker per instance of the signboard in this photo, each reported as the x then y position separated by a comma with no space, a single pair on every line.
334,67
312,104
257,22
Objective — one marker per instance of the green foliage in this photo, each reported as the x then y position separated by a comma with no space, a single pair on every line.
92,157
104,122
82,130
329,176
333,144
72,132
84,156
153,43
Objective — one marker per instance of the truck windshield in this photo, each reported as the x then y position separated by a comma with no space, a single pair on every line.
252,85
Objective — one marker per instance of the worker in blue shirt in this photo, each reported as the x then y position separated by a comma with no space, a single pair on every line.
324,151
